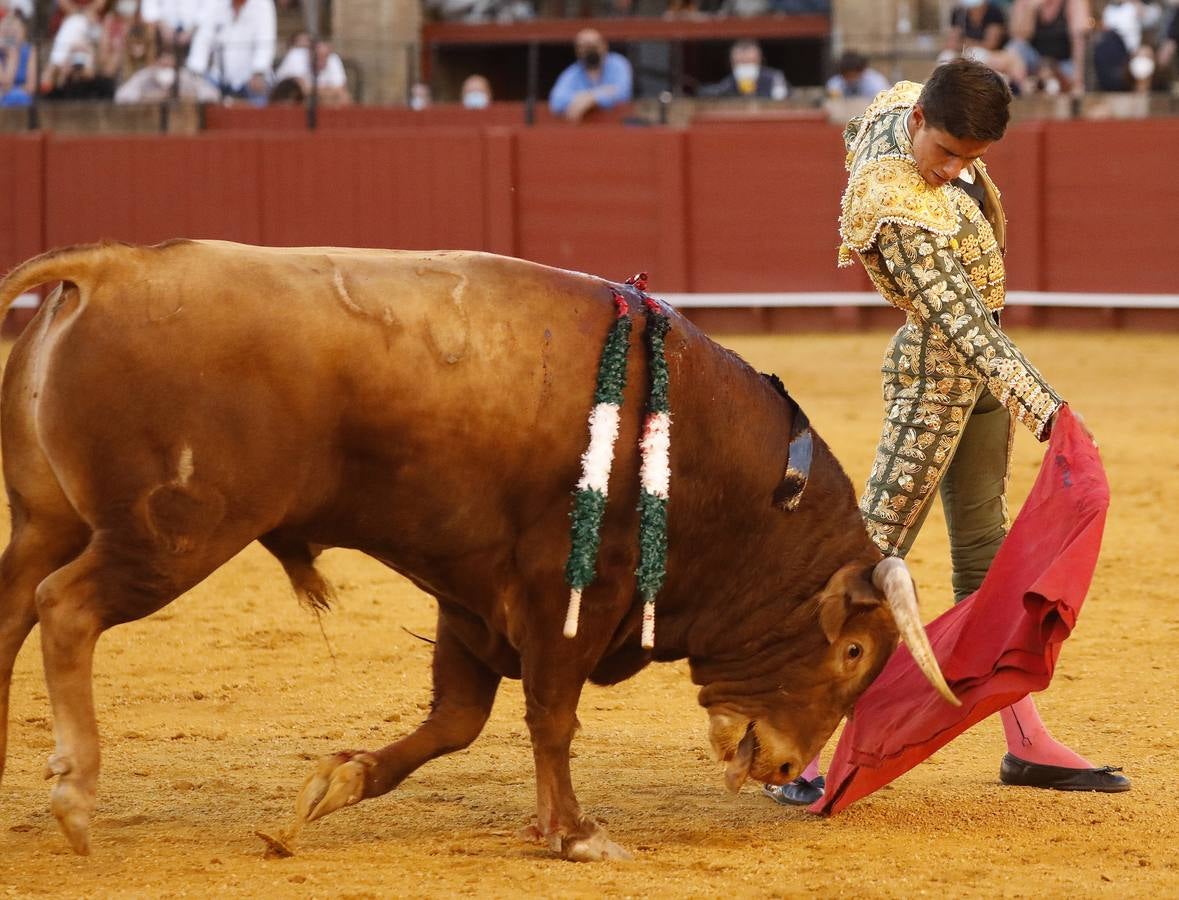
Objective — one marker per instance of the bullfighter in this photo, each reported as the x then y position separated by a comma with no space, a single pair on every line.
925,219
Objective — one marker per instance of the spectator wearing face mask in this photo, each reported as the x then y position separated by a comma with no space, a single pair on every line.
476,92
18,61
156,83
855,78
420,96
72,73
1121,60
331,81
598,78
749,77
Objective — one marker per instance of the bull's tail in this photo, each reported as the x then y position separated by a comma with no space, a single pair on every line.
76,265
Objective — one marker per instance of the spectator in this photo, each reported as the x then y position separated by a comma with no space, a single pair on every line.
234,47
1170,42
118,18
476,92
173,22
744,8
331,81
978,30
856,78
748,78
73,72
1049,36
287,91
420,96
156,82
481,10
18,61
1121,61
598,78
139,50
74,48
24,7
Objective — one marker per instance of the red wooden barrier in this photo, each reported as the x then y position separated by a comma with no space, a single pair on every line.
446,115
1016,163
147,189
22,182
764,208
1111,201
412,189
719,208
590,199
252,118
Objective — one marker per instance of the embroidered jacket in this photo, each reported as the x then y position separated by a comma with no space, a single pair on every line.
931,252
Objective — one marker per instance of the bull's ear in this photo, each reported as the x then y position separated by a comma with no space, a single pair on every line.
848,588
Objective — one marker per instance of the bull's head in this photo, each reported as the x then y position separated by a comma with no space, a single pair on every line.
769,726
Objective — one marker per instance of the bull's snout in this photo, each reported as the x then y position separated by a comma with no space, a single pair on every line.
755,749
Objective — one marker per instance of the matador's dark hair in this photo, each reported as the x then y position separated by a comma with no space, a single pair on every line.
967,99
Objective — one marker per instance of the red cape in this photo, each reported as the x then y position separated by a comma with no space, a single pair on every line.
999,644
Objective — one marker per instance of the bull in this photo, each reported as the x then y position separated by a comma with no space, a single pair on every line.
170,404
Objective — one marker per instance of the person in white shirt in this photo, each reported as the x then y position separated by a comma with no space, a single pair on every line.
174,21
234,47
24,7
330,78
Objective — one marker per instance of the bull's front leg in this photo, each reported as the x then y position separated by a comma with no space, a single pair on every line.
553,681
464,691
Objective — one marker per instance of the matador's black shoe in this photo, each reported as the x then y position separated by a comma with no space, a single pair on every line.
1107,779
799,792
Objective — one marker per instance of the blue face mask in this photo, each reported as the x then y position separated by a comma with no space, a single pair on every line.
476,100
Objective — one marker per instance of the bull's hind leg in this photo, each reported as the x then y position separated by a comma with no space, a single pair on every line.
118,578
38,546
464,691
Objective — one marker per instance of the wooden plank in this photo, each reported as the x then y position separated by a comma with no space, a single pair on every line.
562,31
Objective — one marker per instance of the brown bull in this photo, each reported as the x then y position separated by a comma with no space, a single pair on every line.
169,405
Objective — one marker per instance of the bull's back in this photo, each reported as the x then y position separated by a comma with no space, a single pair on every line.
308,380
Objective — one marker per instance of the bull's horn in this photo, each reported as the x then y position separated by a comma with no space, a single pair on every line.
891,577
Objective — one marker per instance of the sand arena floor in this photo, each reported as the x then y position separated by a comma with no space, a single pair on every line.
213,710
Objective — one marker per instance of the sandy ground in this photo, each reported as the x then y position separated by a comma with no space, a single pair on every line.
213,710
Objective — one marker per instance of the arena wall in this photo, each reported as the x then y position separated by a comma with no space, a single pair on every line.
734,207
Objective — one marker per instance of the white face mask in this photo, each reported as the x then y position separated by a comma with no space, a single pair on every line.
746,71
476,100
1141,67
417,103
126,8
165,78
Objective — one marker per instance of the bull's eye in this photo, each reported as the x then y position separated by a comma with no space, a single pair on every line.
854,651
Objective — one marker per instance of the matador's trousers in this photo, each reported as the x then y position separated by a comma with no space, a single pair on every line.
941,427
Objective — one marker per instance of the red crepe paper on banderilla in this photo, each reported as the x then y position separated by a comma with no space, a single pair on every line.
999,644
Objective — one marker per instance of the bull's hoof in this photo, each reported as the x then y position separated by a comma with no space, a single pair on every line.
594,848
72,810
337,781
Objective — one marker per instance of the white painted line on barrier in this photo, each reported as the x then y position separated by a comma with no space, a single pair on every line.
869,298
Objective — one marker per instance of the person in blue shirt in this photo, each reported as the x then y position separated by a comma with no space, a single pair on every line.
17,61
599,78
